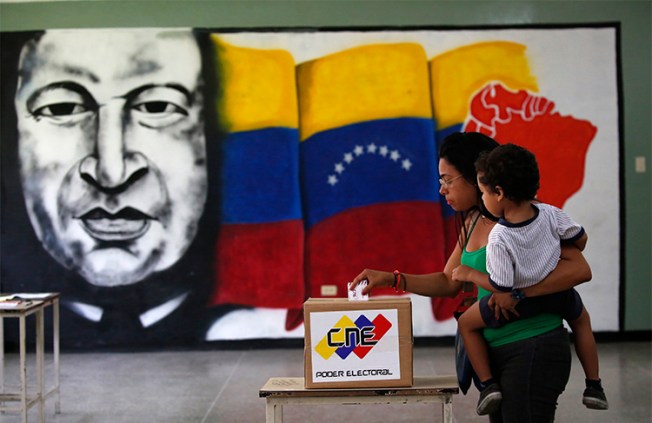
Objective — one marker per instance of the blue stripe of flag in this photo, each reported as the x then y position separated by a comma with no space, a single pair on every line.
261,176
367,163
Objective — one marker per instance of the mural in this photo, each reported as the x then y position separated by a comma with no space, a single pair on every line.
183,186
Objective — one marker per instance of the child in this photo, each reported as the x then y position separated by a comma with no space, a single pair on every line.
523,248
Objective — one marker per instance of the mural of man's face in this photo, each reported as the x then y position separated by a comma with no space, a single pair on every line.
112,149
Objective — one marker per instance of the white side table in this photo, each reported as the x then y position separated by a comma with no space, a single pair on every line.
31,303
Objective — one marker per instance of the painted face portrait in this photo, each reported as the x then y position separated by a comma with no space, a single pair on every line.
112,149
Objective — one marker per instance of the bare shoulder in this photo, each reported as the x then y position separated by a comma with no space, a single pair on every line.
480,232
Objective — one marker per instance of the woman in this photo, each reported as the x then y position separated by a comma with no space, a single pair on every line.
530,358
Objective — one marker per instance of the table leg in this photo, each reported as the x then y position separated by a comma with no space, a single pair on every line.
40,353
55,346
274,412
23,368
447,410
2,360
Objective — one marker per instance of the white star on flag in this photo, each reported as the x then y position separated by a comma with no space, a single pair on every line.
359,150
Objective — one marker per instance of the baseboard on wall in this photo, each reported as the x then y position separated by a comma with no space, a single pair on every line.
426,341
627,336
260,344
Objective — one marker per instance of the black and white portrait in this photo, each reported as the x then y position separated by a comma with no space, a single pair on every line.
112,161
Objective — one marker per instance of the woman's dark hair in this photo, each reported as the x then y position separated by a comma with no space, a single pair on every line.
511,167
461,150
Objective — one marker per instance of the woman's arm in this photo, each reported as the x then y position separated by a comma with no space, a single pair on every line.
439,284
571,271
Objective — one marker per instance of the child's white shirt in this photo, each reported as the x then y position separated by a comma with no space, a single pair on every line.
521,255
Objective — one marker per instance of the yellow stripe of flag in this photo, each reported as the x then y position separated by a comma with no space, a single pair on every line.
377,81
458,74
258,88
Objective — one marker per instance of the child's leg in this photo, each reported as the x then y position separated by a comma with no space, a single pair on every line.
594,396
585,347
470,326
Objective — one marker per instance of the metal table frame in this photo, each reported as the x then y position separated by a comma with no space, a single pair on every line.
280,391
36,304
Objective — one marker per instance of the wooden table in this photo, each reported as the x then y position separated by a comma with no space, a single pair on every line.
32,303
280,391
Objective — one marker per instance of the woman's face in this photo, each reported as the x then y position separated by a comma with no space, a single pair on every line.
460,194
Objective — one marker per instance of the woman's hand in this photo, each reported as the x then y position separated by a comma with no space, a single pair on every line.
375,279
502,304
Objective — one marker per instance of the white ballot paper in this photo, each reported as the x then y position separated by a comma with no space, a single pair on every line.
356,294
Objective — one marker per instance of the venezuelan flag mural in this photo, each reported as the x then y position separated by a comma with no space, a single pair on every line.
247,171
261,233
368,199
367,171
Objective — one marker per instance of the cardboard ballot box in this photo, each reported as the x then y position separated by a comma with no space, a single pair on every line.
358,344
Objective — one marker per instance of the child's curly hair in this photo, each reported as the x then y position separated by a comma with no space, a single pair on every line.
511,167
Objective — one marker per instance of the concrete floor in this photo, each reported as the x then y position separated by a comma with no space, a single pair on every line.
222,386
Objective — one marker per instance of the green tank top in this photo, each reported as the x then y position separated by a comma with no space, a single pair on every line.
514,331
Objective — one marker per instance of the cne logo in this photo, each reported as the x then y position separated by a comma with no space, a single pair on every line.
357,337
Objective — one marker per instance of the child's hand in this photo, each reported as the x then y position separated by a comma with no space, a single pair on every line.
462,273
502,304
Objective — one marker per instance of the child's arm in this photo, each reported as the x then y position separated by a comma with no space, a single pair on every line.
580,243
566,225
464,273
